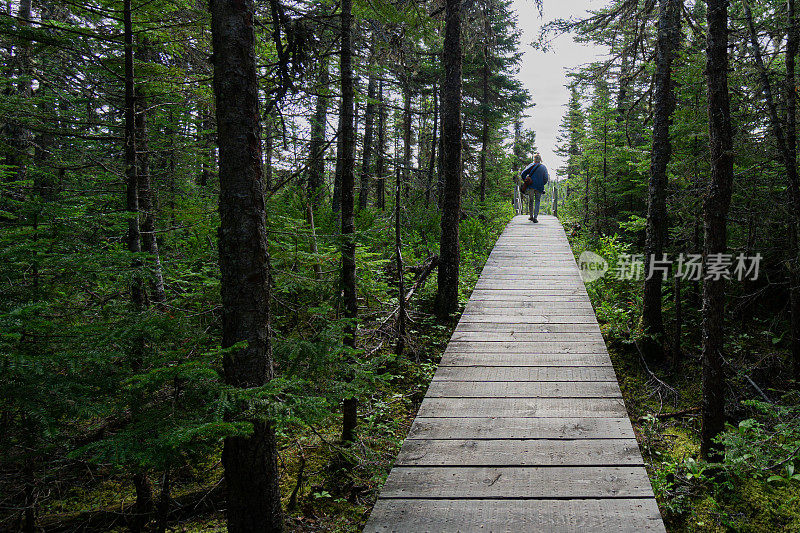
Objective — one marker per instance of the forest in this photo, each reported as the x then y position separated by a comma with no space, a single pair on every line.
236,237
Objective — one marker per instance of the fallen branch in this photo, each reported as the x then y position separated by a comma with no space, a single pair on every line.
673,414
425,271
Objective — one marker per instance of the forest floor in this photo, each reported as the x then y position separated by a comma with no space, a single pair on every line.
742,493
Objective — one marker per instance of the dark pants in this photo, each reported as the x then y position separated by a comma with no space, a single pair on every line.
533,201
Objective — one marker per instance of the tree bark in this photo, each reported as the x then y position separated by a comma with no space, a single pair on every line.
336,200
369,119
131,170
715,213
434,141
669,32
143,507
144,188
401,291
269,142
485,72
380,155
316,149
450,254
678,333
406,137
251,466
347,143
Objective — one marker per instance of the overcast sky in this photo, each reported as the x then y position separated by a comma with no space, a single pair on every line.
544,74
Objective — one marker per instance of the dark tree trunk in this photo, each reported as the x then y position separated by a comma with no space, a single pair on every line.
131,170
144,503
401,291
432,160
450,254
380,155
316,149
347,143
440,186
336,200
406,137
669,32
586,180
144,189
715,215
678,333
792,44
251,463
269,142
485,72
163,502
369,118
206,138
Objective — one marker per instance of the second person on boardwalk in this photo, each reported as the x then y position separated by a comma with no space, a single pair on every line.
535,177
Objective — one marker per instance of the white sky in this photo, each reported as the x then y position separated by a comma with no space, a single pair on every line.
544,74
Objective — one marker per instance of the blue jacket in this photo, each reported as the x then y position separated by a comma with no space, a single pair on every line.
538,174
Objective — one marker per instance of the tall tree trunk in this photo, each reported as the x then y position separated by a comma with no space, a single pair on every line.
144,188
401,291
316,149
678,333
450,253
485,71
792,44
406,137
269,142
131,168
336,200
669,31
138,295
369,118
347,143
380,155
432,160
715,217
251,463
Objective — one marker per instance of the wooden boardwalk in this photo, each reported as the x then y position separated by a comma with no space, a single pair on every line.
523,427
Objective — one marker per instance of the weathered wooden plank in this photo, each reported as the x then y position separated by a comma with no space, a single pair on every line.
523,389
498,326
528,308
525,373
522,407
518,482
525,317
532,347
531,306
520,452
545,296
526,336
515,358
515,516
518,428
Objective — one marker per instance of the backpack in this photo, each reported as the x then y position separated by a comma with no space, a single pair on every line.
526,179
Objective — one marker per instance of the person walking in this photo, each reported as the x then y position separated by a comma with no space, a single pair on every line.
534,177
